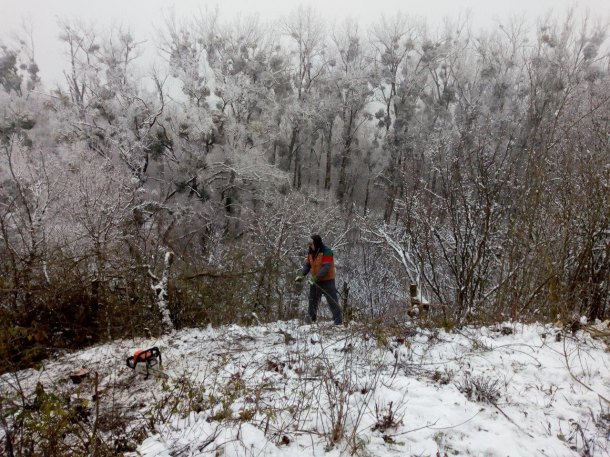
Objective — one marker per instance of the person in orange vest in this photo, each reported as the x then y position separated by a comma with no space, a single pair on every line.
321,263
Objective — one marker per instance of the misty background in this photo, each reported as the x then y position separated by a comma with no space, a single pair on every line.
144,18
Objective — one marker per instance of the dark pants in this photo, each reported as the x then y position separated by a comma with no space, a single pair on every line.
328,289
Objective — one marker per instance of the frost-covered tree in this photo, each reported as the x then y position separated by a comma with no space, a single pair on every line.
351,80
478,160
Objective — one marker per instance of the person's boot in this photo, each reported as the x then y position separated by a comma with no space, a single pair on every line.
309,320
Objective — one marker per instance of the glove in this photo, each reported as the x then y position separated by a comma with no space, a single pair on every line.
299,278
313,280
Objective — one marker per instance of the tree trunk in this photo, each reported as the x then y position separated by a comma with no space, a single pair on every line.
347,146
367,195
296,176
319,159
161,292
329,144
293,141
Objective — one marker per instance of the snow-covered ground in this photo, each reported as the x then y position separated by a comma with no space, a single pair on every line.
288,389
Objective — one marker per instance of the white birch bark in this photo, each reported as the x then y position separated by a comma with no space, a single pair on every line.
160,289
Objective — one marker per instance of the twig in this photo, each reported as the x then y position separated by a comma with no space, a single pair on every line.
428,426
565,355
510,420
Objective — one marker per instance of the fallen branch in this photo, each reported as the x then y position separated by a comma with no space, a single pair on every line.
211,274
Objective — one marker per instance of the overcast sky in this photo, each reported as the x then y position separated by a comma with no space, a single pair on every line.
143,15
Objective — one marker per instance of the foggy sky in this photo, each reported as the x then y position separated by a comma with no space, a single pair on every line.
143,16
